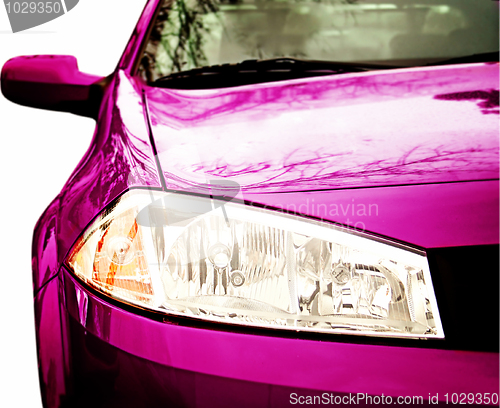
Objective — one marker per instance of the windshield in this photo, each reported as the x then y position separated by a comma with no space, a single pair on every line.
190,34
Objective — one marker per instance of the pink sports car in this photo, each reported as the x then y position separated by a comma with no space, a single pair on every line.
286,202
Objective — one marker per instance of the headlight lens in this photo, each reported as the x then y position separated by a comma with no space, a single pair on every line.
228,262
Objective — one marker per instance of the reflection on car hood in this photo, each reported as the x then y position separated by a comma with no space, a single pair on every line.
391,127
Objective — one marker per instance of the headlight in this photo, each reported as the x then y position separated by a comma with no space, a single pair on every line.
228,262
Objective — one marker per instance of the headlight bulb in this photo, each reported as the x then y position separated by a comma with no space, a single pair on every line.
220,255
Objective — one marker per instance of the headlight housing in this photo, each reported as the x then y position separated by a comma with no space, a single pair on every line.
227,262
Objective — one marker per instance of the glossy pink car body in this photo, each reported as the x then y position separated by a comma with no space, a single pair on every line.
409,154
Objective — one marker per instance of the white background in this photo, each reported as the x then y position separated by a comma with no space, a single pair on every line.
39,150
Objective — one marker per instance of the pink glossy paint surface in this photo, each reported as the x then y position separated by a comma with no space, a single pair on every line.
51,82
52,349
44,248
134,47
353,130
120,157
47,69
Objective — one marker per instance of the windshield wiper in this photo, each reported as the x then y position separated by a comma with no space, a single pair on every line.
469,59
256,71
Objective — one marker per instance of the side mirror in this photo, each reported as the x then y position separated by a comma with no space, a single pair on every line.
52,82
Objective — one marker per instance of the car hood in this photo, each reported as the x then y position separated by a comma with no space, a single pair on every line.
403,153
391,127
